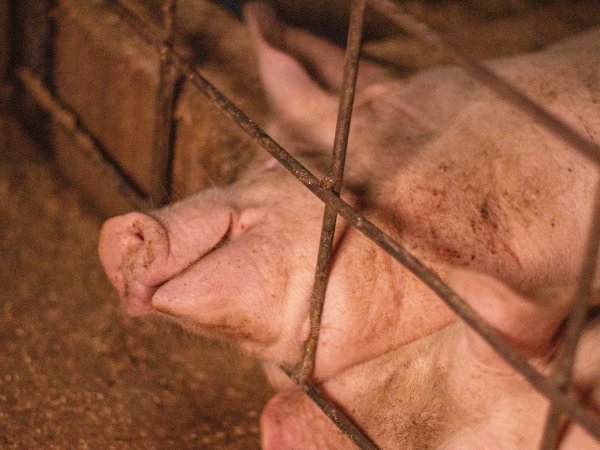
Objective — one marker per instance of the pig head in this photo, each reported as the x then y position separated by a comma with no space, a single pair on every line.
465,182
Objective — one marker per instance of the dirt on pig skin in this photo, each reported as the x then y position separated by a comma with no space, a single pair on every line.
75,372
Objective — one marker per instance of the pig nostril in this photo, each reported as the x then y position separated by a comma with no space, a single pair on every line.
133,249
139,233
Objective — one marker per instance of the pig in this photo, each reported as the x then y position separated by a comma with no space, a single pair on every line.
491,202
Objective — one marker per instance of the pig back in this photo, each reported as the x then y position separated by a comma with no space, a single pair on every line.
487,187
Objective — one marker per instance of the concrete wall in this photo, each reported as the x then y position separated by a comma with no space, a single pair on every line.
109,78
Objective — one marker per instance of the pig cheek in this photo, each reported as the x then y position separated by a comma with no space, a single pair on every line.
233,291
127,258
378,309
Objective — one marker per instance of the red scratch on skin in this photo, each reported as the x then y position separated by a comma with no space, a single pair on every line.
494,240
511,253
491,227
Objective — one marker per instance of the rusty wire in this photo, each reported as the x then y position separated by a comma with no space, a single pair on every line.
335,179
554,391
162,148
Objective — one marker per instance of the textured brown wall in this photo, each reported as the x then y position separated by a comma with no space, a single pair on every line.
108,76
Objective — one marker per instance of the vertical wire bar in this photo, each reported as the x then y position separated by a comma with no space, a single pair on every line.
163,126
574,325
502,88
334,182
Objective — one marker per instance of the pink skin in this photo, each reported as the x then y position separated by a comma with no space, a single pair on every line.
464,187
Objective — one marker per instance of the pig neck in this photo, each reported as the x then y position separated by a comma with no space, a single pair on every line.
395,406
367,312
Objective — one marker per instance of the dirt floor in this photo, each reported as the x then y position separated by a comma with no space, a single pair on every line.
75,372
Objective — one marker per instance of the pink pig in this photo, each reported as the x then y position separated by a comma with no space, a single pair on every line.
491,202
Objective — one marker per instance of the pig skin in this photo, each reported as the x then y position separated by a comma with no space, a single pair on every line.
490,201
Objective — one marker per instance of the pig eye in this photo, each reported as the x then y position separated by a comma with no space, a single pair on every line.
244,221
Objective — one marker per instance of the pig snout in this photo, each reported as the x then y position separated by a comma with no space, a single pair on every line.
131,249
140,253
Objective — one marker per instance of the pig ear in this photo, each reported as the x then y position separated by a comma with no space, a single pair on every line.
530,325
323,59
296,99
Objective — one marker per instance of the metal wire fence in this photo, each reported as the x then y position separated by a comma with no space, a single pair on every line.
174,67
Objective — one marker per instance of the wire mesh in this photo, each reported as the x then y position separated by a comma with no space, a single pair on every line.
175,67
163,128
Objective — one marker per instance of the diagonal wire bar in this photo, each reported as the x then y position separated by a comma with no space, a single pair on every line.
334,181
148,32
574,325
502,88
